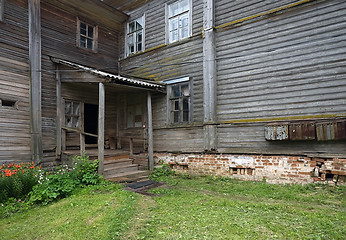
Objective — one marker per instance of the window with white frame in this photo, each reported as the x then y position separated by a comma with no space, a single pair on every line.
86,35
179,17
135,36
179,100
2,3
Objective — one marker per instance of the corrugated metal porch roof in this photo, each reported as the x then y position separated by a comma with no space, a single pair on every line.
112,77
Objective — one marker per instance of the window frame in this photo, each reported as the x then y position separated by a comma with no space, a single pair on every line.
134,33
2,6
169,18
94,38
72,115
179,82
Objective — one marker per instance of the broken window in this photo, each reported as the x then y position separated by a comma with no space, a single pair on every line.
134,111
179,100
135,36
72,114
86,35
179,26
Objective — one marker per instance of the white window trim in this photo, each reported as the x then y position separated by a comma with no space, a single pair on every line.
95,35
169,105
2,6
167,21
143,36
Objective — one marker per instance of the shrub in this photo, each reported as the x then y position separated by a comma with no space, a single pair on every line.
164,170
17,180
63,180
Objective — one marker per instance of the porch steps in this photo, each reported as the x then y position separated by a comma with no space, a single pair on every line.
122,168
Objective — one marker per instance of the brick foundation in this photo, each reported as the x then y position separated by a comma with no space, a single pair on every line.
275,169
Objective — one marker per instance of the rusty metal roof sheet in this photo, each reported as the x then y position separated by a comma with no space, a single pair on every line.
117,78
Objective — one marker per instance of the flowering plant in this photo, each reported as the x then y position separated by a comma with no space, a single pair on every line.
17,180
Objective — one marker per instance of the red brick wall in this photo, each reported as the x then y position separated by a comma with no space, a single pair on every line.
275,169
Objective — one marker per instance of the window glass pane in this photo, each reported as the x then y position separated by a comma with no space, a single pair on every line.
82,28
89,44
176,105
82,41
183,6
173,9
139,24
139,37
90,31
185,104
175,91
75,122
68,108
130,39
173,24
175,117
76,107
185,116
68,122
131,27
185,90
139,47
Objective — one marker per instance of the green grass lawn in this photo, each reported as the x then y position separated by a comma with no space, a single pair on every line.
197,208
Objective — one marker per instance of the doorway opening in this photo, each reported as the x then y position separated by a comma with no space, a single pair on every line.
90,122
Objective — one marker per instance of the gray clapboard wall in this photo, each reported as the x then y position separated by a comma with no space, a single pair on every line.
284,65
59,40
171,61
289,64
14,83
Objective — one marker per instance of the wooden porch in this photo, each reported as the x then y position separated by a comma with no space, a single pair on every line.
86,86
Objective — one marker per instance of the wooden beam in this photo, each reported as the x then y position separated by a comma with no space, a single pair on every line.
59,113
35,79
209,76
150,133
81,135
101,127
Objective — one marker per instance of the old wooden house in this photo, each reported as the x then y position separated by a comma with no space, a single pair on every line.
247,89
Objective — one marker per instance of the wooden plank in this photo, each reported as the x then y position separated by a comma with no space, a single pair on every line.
101,128
35,79
209,76
81,135
150,133
58,113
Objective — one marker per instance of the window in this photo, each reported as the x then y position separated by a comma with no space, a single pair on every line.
179,101
86,36
135,36
2,3
179,17
8,103
134,111
72,114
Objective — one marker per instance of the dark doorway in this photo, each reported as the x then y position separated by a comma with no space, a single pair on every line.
90,122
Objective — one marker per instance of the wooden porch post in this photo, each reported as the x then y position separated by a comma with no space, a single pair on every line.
150,134
101,128
35,79
58,113
82,135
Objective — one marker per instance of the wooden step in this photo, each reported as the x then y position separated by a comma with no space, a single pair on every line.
114,171
130,176
117,162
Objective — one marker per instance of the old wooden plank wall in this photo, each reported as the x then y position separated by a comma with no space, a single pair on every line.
171,61
14,83
59,40
288,64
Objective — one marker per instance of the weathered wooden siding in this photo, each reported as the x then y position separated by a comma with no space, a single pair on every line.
288,64
14,83
59,40
171,61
